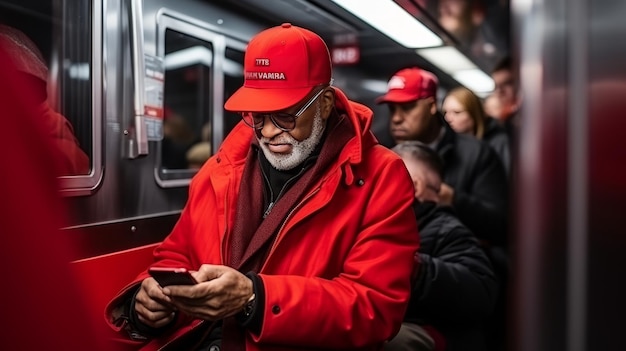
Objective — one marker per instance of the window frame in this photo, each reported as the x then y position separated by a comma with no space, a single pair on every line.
87,184
168,19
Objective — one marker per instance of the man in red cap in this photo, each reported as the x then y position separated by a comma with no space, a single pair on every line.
299,231
474,179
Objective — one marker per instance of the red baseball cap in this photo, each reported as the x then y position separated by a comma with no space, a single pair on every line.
410,84
281,67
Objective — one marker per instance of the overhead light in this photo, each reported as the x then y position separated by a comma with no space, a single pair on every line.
393,21
476,80
375,86
448,58
454,63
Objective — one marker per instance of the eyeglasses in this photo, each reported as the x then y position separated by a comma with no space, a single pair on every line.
282,120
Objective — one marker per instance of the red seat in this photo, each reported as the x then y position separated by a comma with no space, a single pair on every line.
102,277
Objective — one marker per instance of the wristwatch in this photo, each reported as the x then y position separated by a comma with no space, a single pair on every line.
249,306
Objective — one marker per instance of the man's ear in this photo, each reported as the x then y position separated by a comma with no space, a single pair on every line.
433,105
420,187
328,102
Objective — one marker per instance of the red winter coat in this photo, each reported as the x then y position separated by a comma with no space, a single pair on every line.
338,273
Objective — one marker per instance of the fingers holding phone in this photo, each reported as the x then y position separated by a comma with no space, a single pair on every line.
223,292
153,308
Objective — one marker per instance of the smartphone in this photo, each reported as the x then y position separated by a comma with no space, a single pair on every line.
172,276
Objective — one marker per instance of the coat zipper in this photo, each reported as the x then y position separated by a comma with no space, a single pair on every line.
282,190
269,186
278,234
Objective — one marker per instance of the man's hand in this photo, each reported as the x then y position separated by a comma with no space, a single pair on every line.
152,306
221,292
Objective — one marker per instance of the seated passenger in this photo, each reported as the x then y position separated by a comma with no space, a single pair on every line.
280,229
455,289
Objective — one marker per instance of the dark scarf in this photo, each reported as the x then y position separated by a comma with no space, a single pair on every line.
252,236
252,230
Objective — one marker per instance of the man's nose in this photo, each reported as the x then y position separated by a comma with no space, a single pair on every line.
397,116
269,129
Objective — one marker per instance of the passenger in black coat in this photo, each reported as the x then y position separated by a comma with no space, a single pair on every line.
475,185
455,288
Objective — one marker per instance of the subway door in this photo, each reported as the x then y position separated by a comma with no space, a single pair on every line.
570,244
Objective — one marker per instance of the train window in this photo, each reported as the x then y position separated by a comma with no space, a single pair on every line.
52,43
202,69
187,129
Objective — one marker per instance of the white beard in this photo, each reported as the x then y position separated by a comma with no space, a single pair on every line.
301,150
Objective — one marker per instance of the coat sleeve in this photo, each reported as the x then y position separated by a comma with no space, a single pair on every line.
484,207
365,303
456,284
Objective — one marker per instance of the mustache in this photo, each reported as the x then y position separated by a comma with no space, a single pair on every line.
279,139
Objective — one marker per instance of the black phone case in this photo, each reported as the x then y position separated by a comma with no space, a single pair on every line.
165,278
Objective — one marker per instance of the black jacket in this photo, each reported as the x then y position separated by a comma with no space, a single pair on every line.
480,185
455,289
496,136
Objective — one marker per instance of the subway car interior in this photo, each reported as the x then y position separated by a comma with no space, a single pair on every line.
140,87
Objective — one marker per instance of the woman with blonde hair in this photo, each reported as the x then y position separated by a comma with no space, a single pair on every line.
464,112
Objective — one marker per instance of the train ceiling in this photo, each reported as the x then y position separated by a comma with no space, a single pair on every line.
379,54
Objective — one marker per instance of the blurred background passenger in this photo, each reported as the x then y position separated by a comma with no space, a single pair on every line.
492,107
42,306
200,152
455,289
509,98
466,21
31,65
178,137
507,93
464,111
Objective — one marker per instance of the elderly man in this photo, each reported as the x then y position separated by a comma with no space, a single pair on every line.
299,230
